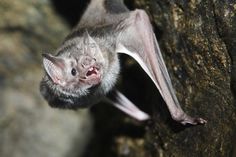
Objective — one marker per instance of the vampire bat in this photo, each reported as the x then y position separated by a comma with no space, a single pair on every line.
86,66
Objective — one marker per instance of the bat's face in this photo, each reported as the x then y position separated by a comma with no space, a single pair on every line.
78,65
77,73
73,72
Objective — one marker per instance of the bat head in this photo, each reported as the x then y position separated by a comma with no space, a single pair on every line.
80,67
74,76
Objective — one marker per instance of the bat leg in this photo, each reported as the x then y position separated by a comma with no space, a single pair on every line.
124,104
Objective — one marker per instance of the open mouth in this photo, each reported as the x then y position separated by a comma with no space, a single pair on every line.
92,76
92,71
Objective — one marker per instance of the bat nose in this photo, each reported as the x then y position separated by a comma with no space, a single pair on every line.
87,61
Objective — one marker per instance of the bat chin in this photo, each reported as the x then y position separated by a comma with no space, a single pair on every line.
91,81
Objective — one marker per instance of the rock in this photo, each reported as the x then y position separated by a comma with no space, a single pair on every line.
29,127
197,40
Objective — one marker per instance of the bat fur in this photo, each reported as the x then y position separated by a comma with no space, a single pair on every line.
86,66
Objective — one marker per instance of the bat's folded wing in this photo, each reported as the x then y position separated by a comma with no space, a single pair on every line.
136,39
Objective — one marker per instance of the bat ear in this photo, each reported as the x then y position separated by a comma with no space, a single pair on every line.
91,46
54,67
88,40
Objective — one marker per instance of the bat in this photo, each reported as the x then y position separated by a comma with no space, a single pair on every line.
86,65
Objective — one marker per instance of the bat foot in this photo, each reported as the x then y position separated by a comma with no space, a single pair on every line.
184,119
193,121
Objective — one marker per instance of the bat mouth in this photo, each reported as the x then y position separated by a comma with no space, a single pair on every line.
92,71
92,76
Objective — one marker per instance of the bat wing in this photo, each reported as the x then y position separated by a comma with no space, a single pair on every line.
137,39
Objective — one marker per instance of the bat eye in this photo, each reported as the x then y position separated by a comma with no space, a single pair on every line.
73,72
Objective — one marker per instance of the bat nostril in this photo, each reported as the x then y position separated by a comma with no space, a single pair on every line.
87,61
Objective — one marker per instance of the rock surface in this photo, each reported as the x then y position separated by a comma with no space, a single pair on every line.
197,39
28,126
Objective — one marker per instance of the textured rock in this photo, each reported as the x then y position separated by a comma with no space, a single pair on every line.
28,126
197,39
